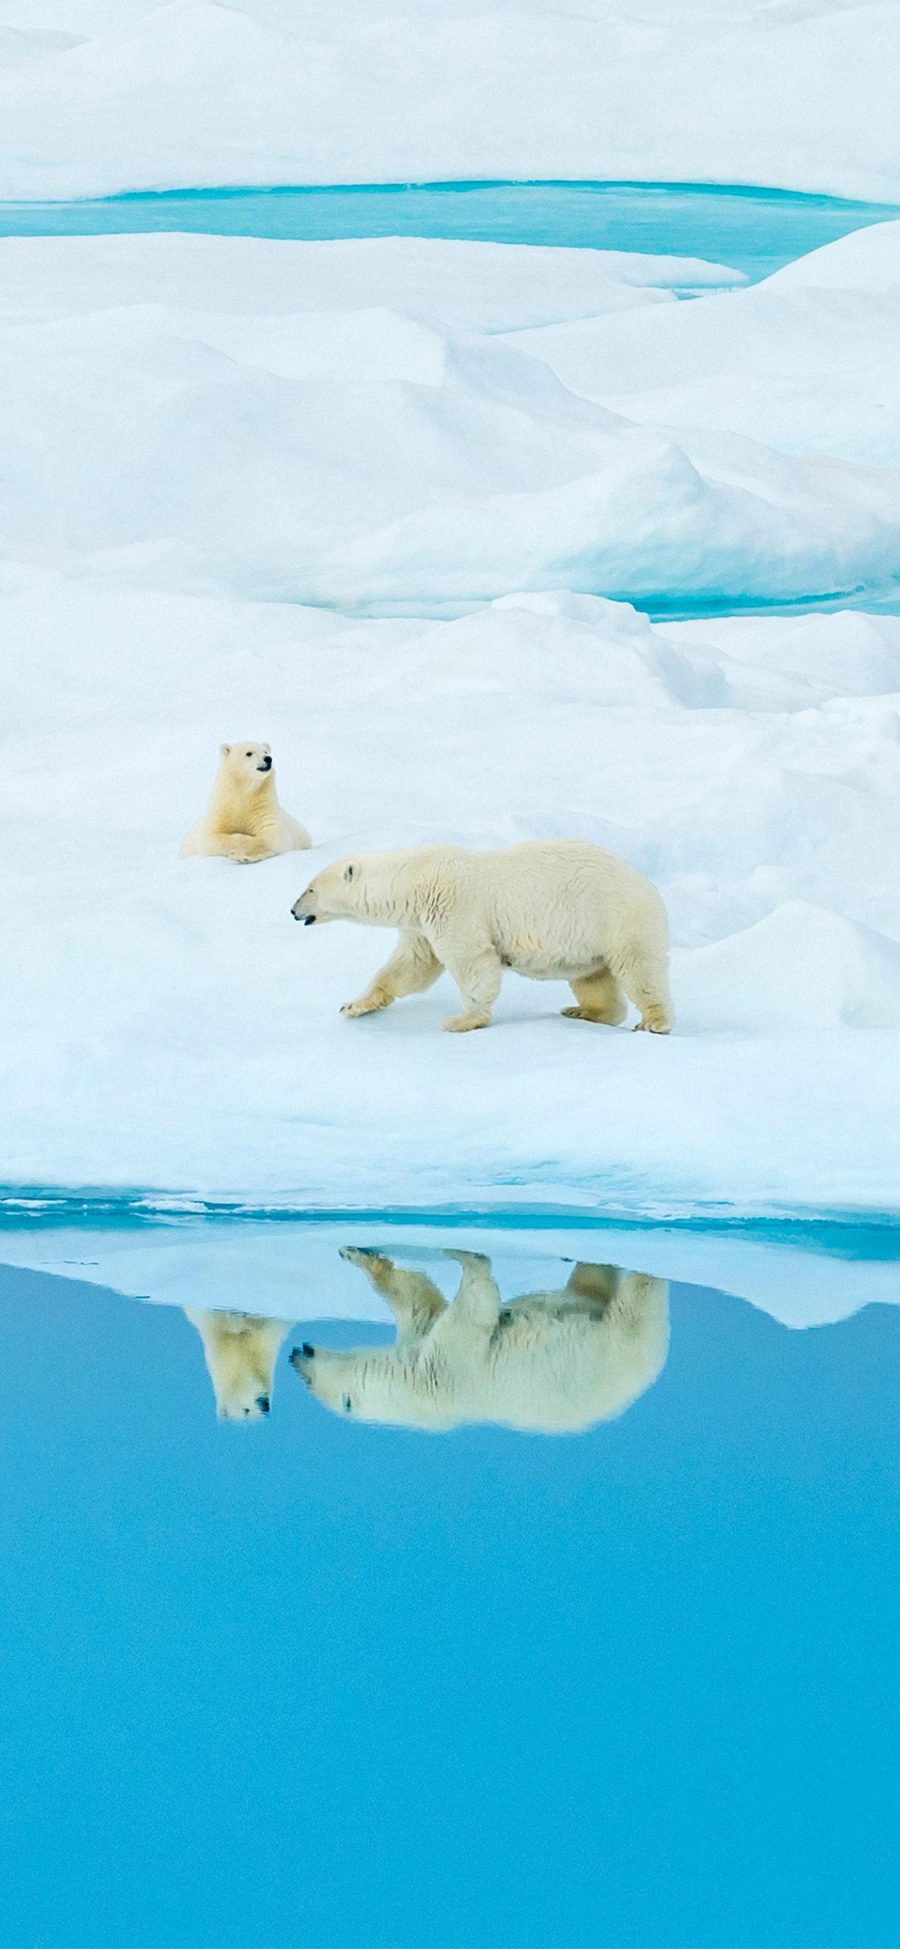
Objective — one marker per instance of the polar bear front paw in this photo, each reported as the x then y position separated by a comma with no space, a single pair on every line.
366,1005
245,852
656,1021
460,1024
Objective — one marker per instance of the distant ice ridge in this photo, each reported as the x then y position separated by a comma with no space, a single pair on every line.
134,93
167,1025
229,416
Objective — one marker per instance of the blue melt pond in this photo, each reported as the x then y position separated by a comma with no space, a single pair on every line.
322,1683
751,230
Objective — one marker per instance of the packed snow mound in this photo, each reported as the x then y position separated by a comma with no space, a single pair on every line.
844,653
547,645
188,92
373,457
800,964
805,361
864,260
167,1025
460,286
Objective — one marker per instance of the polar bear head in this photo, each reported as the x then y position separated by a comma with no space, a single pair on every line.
337,893
374,1384
241,1350
246,766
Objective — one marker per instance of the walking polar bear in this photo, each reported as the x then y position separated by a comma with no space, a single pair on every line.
547,1362
241,1350
244,820
555,910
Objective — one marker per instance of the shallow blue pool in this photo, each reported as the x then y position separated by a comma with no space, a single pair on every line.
318,1682
752,230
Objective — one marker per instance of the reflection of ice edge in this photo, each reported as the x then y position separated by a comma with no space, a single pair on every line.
288,1267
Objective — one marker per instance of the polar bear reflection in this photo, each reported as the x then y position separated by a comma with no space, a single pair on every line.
552,1362
241,1350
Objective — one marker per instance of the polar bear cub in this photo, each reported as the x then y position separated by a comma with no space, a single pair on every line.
244,821
241,1350
555,910
549,1362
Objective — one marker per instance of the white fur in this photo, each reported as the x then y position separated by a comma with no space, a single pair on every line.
551,909
551,1362
244,821
241,1350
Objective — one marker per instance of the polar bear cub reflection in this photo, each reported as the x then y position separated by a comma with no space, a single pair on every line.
241,1350
552,1362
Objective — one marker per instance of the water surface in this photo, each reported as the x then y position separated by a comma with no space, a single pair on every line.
318,1682
752,230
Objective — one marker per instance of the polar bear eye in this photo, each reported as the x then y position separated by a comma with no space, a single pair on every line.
347,1404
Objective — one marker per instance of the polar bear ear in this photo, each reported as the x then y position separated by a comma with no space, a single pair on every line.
224,749
348,872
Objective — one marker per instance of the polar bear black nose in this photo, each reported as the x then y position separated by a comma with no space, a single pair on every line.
307,1351
262,1402
266,764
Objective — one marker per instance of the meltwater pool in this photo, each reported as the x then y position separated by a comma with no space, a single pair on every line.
751,230
571,1622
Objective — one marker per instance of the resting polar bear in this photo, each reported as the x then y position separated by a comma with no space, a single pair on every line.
552,1363
244,821
241,1350
557,910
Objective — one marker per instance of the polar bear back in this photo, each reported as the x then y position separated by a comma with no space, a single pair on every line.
553,1366
562,904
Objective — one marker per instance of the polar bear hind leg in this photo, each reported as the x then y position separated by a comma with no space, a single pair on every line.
594,1286
643,973
477,1302
599,999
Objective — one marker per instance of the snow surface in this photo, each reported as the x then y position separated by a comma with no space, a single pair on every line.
200,436
168,1025
98,96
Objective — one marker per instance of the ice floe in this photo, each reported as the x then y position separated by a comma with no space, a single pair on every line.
203,438
167,1025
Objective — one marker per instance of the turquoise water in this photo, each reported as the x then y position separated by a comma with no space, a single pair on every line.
751,230
320,1683
680,609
